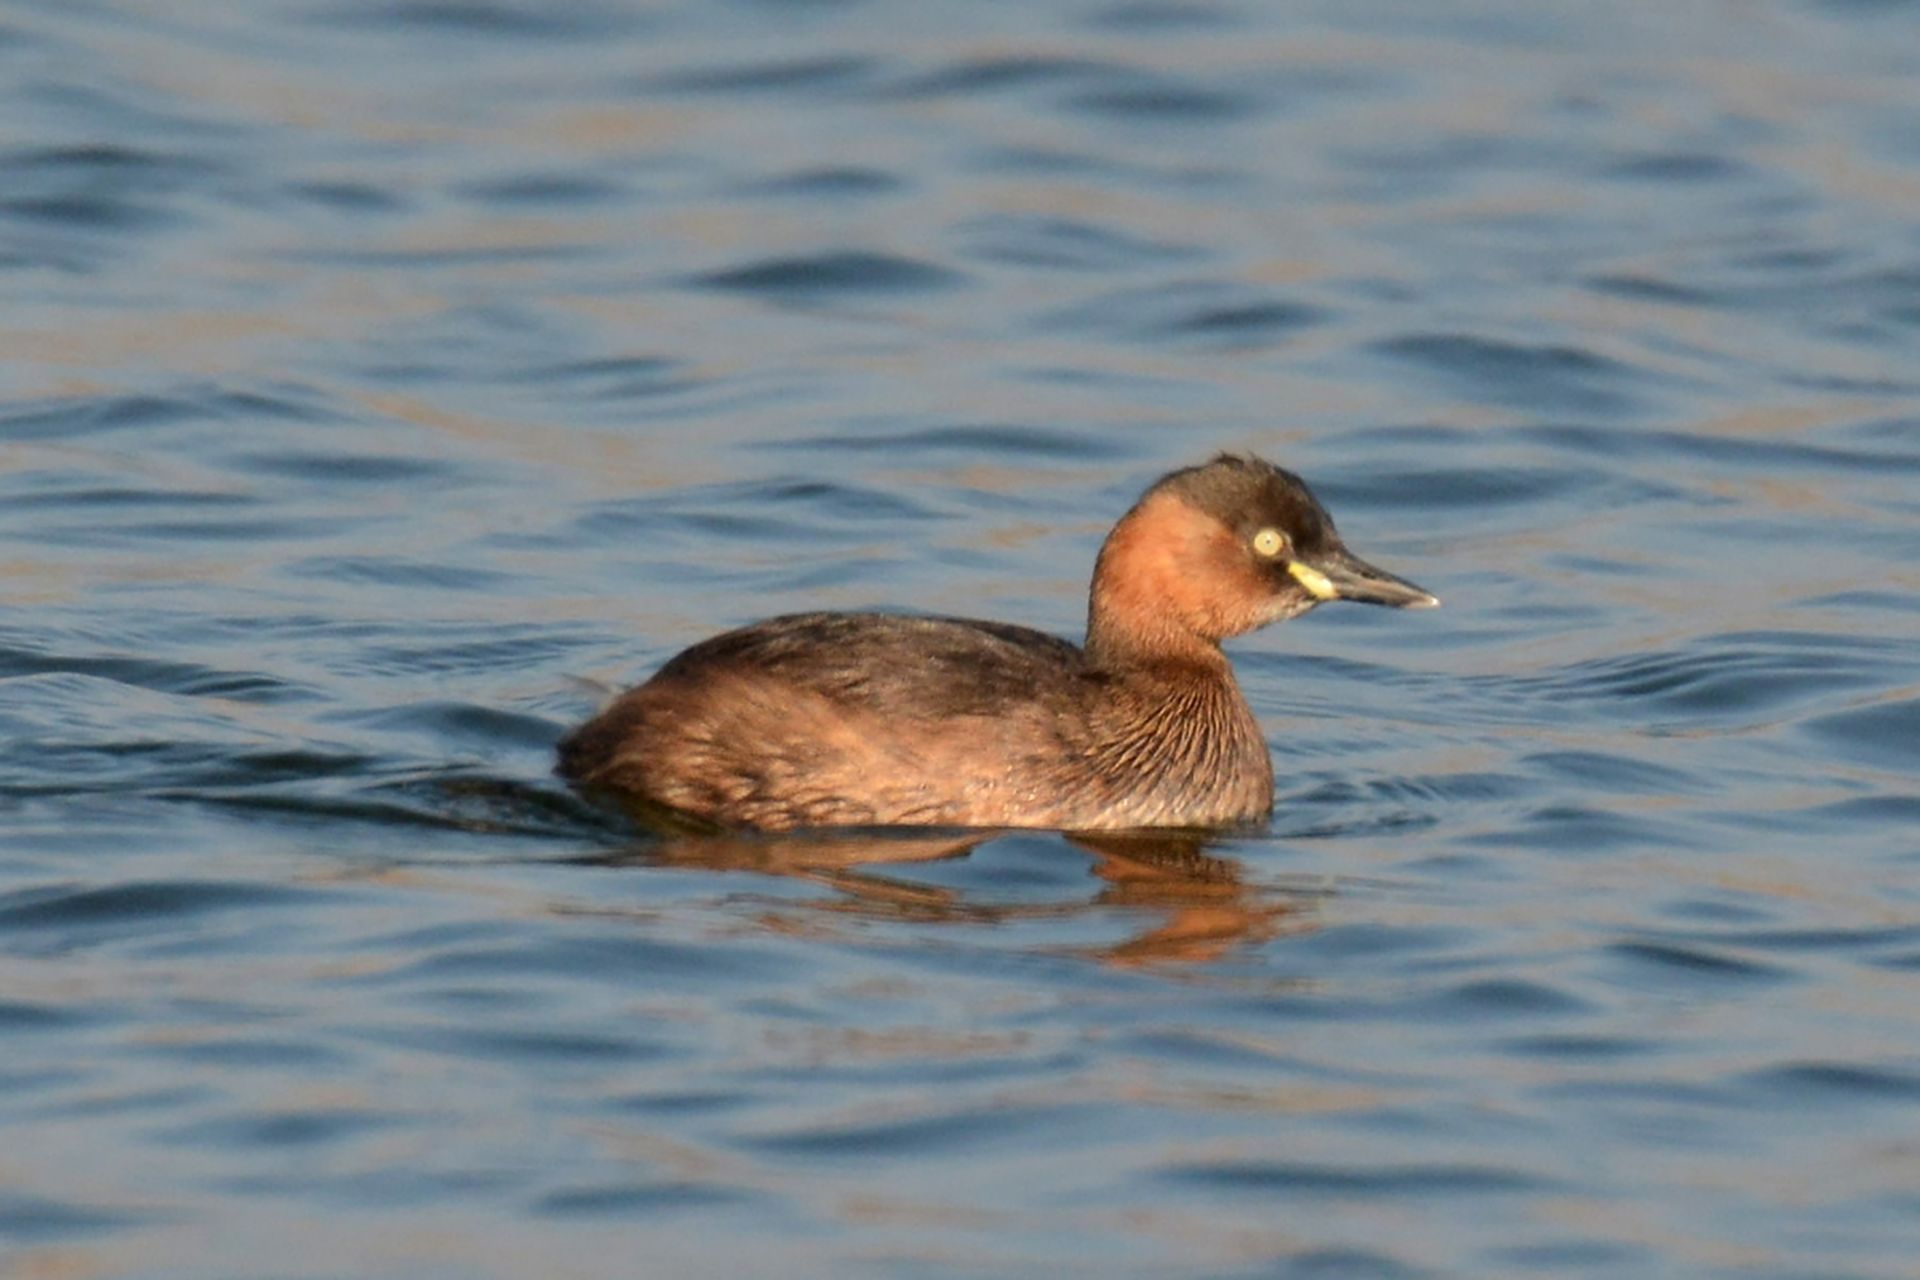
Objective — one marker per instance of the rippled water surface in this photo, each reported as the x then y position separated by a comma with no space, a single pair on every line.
382,383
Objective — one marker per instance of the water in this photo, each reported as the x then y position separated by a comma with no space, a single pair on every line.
381,383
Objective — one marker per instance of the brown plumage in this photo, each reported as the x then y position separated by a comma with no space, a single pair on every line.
861,719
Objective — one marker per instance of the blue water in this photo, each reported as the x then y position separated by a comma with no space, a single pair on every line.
381,384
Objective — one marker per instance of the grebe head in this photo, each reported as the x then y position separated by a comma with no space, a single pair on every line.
1219,549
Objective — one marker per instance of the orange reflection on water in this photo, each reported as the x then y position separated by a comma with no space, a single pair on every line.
1194,905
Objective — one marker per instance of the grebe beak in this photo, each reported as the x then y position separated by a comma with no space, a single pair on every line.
1341,575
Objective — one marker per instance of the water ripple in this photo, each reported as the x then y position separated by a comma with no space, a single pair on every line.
493,19
1698,964
625,1199
1160,100
829,182
80,416
1886,734
28,1220
785,76
1209,313
1296,1178
1839,1083
1038,443
136,904
275,1130
851,272
1546,378
1741,676
1001,73
1064,244
970,1129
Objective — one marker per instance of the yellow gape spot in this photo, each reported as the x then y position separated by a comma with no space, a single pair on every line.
1313,580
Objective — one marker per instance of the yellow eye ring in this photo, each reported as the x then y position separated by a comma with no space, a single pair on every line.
1269,543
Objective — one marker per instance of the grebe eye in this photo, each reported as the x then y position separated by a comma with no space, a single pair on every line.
1269,542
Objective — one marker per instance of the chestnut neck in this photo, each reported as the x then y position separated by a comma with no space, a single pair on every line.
1115,644
1148,606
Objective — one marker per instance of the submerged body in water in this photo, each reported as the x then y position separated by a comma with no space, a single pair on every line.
874,719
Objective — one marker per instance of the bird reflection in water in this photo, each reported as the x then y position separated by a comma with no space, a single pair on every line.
1197,904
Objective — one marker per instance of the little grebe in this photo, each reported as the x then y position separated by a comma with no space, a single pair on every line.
873,719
